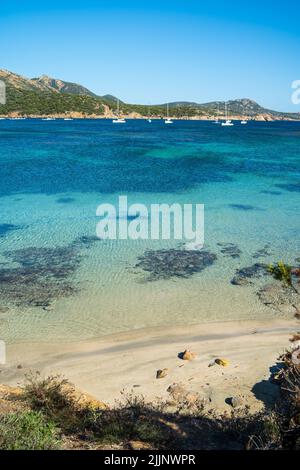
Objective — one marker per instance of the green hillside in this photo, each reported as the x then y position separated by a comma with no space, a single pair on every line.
46,96
34,102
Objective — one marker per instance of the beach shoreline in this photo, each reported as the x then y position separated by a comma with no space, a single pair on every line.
126,363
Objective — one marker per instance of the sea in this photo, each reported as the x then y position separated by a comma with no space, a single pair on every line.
60,282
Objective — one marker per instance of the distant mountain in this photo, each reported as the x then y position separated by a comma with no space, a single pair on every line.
17,82
61,86
45,96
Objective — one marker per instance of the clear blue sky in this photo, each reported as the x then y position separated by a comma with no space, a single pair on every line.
158,51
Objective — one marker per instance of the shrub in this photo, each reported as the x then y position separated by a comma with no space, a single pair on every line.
53,396
27,430
132,420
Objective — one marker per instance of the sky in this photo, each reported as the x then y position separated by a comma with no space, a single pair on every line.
157,51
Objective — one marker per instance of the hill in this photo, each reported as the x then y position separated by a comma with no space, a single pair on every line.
61,86
44,96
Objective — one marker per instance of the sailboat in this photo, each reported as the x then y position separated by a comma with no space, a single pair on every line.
227,121
168,120
149,116
118,120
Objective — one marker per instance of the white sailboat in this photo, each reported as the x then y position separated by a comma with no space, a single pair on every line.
149,116
168,120
118,120
244,121
227,122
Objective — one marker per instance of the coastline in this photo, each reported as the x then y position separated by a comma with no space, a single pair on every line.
126,363
109,115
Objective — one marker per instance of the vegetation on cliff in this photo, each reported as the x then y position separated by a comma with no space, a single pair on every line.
49,96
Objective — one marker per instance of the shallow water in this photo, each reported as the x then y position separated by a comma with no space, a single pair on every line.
70,286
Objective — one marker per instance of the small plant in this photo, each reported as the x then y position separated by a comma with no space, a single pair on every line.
282,272
268,434
47,394
27,430
53,396
133,420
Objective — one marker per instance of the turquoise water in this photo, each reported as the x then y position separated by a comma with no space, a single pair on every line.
58,283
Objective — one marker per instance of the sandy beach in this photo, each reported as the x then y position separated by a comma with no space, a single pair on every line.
127,363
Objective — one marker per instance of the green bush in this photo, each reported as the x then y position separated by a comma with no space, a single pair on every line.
27,430
54,397
48,394
133,420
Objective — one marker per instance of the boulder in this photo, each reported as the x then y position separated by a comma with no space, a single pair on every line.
236,402
187,355
161,373
222,362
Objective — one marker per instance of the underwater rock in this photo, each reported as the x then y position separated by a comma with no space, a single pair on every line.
230,250
279,297
272,193
243,207
243,276
38,275
292,187
86,241
65,200
7,228
165,264
262,252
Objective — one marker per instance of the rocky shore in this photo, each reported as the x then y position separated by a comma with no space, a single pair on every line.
108,114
